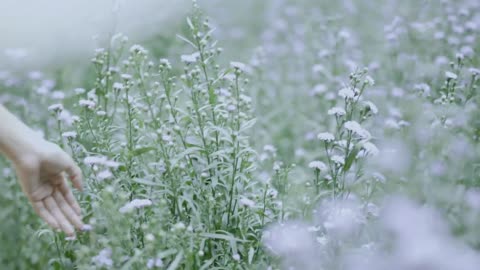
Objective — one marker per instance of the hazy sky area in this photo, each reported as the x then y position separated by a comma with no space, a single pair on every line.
39,32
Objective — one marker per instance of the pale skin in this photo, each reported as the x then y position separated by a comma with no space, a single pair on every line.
42,169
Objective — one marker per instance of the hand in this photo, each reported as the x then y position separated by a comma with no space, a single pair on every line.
41,169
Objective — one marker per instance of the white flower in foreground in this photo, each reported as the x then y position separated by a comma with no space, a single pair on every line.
236,257
474,71
337,111
135,204
346,93
239,66
371,106
356,128
317,165
87,103
326,137
55,107
69,134
338,159
247,202
450,75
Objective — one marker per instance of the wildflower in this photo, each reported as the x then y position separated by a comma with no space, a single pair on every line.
135,204
450,75
337,111
87,103
371,107
69,134
474,71
126,77
79,91
105,174
236,257
55,108
346,93
157,262
190,58
118,86
137,49
103,258
92,160
180,226
247,202
318,165
355,128
338,159
369,81
318,89
326,137
59,95
370,149
239,66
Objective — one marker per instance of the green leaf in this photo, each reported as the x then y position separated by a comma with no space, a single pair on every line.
351,158
174,265
142,150
251,252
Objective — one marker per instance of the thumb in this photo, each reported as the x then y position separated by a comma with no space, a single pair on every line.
74,172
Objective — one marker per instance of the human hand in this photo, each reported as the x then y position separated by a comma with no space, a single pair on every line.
42,168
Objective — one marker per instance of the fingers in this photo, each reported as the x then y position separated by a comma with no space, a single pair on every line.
73,172
67,210
55,211
68,195
40,209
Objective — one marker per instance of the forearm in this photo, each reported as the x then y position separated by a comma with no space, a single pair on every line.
15,136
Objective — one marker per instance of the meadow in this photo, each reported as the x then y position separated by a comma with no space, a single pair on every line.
271,134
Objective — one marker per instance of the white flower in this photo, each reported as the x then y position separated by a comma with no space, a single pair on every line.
247,202
135,204
79,91
190,58
126,77
370,149
87,103
338,159
87,227
236,257
138,49
92,160
474,71
157,262
69,134
118,86
317,165
59,95
372,107
55,107
239,66
105,174
346,93
369,80
326,137
103,258
337,111
318,89
356,128
450,75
